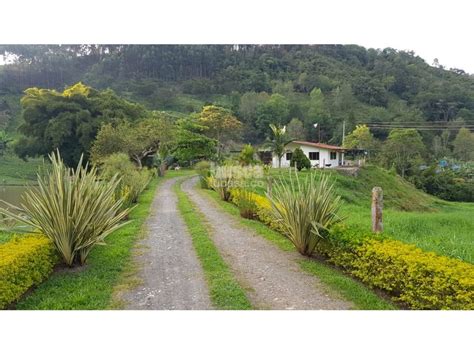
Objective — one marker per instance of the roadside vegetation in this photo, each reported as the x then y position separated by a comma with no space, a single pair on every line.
91,286
336,281
412,277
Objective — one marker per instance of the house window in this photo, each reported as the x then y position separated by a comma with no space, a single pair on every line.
288,156
313,155
333,155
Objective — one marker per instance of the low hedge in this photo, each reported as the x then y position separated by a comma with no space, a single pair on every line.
419,279
24,262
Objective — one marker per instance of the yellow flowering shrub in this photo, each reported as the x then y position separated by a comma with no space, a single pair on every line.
24,262
420,279
262,204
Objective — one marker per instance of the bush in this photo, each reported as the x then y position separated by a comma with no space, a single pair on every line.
132,180
222,180
300,160
245,201
305,209
72,208
419,279
445,184
24,262
203,168
246,156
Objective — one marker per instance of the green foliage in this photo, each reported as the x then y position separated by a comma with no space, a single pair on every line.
225,291
93,286
140,139
445,184
305,209
24,262
295,130
5,140
247,155
463,145
191,143
421,280
404,149
72,208
203,168
360,138
274,111
362,296
220,124
133,181
246,202
68,121
299,160
278,142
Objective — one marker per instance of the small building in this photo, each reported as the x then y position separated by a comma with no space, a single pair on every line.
320,155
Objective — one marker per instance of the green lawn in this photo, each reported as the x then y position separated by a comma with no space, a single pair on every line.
225,291
410,215
15,171
336,282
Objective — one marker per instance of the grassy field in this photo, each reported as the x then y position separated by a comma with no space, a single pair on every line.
225,291
15,171
334,280
409,214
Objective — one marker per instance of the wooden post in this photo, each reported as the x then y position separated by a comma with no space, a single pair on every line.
377,209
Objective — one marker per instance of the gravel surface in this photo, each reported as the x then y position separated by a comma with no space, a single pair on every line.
171,273
272,277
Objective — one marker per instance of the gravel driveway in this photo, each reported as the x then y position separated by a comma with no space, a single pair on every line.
171,273
273,277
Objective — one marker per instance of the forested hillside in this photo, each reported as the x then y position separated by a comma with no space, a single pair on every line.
327,84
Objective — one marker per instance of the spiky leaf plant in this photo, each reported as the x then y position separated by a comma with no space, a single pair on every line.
305,209
73,208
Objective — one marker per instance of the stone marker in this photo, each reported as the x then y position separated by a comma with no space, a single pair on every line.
377,208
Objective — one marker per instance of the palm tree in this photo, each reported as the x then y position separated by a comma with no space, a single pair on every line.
279,141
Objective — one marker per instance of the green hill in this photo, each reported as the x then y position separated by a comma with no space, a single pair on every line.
328,84
356,190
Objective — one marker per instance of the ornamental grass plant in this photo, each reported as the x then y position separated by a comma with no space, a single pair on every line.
72,207
304,209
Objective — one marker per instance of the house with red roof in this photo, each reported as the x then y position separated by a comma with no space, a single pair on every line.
320,155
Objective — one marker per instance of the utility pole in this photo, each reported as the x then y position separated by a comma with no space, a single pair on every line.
343,131
318,126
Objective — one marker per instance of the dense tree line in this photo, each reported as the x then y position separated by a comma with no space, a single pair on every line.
259,84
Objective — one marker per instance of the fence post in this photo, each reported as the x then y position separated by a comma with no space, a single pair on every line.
377,209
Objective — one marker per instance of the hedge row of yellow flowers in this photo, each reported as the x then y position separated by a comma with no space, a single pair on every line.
24,262
418,279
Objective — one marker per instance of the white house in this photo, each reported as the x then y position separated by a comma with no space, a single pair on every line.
320,155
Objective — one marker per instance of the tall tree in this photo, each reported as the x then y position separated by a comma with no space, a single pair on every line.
295,130
140,139
221,125
404,150
278,141
274,111
463,145
191,142
68,121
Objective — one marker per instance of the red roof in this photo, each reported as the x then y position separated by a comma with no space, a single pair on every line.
319,145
